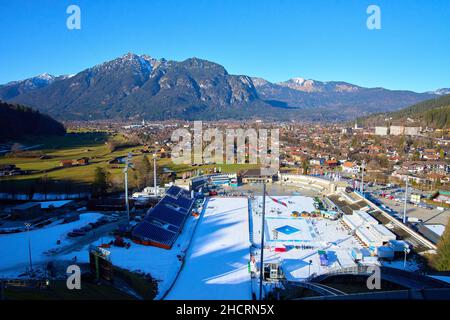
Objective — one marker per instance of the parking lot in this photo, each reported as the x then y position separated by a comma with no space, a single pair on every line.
428,216
273,189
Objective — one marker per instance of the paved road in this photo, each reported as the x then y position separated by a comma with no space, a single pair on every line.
89,238
78,243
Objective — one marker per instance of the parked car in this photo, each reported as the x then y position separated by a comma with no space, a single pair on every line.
86,228
75,234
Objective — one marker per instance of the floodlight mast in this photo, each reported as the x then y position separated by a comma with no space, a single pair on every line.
261,272
361,189
125,171
28,225
154,175
406,200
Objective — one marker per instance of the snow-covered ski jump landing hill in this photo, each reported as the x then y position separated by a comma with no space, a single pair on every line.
216,263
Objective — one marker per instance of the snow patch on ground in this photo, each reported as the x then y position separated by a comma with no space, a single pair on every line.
14,257
301,258
216,265
163,265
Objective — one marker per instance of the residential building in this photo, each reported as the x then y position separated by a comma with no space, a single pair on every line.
381,131
397,130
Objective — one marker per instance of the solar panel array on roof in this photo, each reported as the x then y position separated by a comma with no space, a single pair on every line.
167,216
164,222
199,182
179,204
175,191
155,233
172,228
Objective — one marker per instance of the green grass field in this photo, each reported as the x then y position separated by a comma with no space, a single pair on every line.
69,147
72,146
76,145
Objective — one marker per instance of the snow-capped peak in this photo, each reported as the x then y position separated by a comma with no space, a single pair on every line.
297,80
45,76
129,56
442,91
39,81
300,84
258,82
138,63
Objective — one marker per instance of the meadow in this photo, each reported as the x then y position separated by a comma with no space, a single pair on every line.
44,162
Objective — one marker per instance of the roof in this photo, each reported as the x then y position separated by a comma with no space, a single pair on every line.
366,217
7,166
164,222
367,236
348,164
147,230
54,204
428,233
26,206
436,228
383,231
254,172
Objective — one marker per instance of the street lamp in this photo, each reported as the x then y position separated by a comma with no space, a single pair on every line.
361,189
154,175
406,200
309,268
28,225
261,272
406,251
2,293
125,171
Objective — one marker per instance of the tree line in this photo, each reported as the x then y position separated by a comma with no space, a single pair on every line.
17,121
140,175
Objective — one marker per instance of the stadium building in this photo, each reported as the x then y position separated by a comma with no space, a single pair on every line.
164,222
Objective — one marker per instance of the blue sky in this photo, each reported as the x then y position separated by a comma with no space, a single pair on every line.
273,39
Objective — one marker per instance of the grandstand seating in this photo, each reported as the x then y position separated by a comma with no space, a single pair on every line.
164,222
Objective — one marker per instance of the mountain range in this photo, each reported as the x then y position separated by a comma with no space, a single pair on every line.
141,87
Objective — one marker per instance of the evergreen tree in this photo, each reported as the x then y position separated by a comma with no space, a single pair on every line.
145,173
305,166
441,261
354,142
100,182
